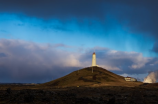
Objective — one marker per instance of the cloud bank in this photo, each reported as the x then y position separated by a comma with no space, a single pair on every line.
140,16
24,61
120,17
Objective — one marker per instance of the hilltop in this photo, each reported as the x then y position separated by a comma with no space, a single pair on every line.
85,77
83,86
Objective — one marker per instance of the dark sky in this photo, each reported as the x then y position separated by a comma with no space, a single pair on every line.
41,40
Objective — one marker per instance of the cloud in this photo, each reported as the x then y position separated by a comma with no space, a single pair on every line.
3,55
26,61
119,61
61,45
130,17
49,8
155,47
134,17
31,62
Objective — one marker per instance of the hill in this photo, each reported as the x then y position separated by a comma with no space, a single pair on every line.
85,77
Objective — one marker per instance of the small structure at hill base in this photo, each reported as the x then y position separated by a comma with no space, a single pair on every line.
94,59
130,79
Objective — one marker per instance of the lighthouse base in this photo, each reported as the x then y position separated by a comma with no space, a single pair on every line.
95,65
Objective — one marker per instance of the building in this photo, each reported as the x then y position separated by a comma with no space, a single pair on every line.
130,79
94,59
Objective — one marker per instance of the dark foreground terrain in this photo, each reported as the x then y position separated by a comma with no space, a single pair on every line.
144,94
82,87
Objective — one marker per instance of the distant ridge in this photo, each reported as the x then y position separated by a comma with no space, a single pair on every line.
85,77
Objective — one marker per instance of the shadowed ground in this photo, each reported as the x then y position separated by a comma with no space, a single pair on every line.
82,87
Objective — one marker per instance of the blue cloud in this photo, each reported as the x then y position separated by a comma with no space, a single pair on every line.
3,55
83,32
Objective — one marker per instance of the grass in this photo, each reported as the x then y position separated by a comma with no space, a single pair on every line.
85,77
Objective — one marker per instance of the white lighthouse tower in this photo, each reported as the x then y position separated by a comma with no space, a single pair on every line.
94,60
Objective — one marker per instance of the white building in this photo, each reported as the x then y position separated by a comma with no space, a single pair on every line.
130,79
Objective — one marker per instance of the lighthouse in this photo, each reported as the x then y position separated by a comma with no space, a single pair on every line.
94,59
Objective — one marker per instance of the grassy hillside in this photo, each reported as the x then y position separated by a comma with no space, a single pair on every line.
85,77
